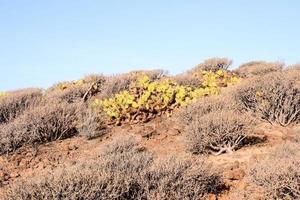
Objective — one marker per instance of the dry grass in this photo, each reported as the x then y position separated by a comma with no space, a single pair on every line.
39,125
274,98
217,132
14,103
123,171
258,68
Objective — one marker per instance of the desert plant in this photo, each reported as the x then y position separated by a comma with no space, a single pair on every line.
212,64
255,68
123,170
114,175
293,67
277,176
118,83
206,105
146,99
39,125
93,124
217,132
75,91
14,103
273,97
70,94
182,179
187,80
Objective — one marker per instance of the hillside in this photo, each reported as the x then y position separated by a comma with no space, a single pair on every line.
209,133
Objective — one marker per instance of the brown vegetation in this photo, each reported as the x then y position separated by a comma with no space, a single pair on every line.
171,157
118,83
14,103
205,106
273,97
93,124
217,132
212,64
275,177
258,68
39,125
71,92
123,171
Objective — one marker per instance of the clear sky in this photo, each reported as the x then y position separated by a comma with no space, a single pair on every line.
46,41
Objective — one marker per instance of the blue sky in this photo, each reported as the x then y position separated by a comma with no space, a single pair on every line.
43,42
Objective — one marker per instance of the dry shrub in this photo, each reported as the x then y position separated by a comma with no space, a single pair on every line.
187,80
70,95
293,67
274,98
93,124
123,171
39,125
182,179
275,177
71,92
118,83
205,106
212,64
255,68
217,132
14,103
114,175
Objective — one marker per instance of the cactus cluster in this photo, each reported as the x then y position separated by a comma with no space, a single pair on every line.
146,99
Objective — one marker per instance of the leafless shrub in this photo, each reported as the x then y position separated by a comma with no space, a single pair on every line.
70,95
17,102
205,106
153,74
188,80
94,78
293,67
118,83
93,124
75,91
114,175
212,64
123,171
274,97
255,68
217,132
39,125
182,179
277,176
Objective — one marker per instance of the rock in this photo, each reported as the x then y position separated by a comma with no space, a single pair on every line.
14,175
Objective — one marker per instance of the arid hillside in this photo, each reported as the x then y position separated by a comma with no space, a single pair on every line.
209,133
